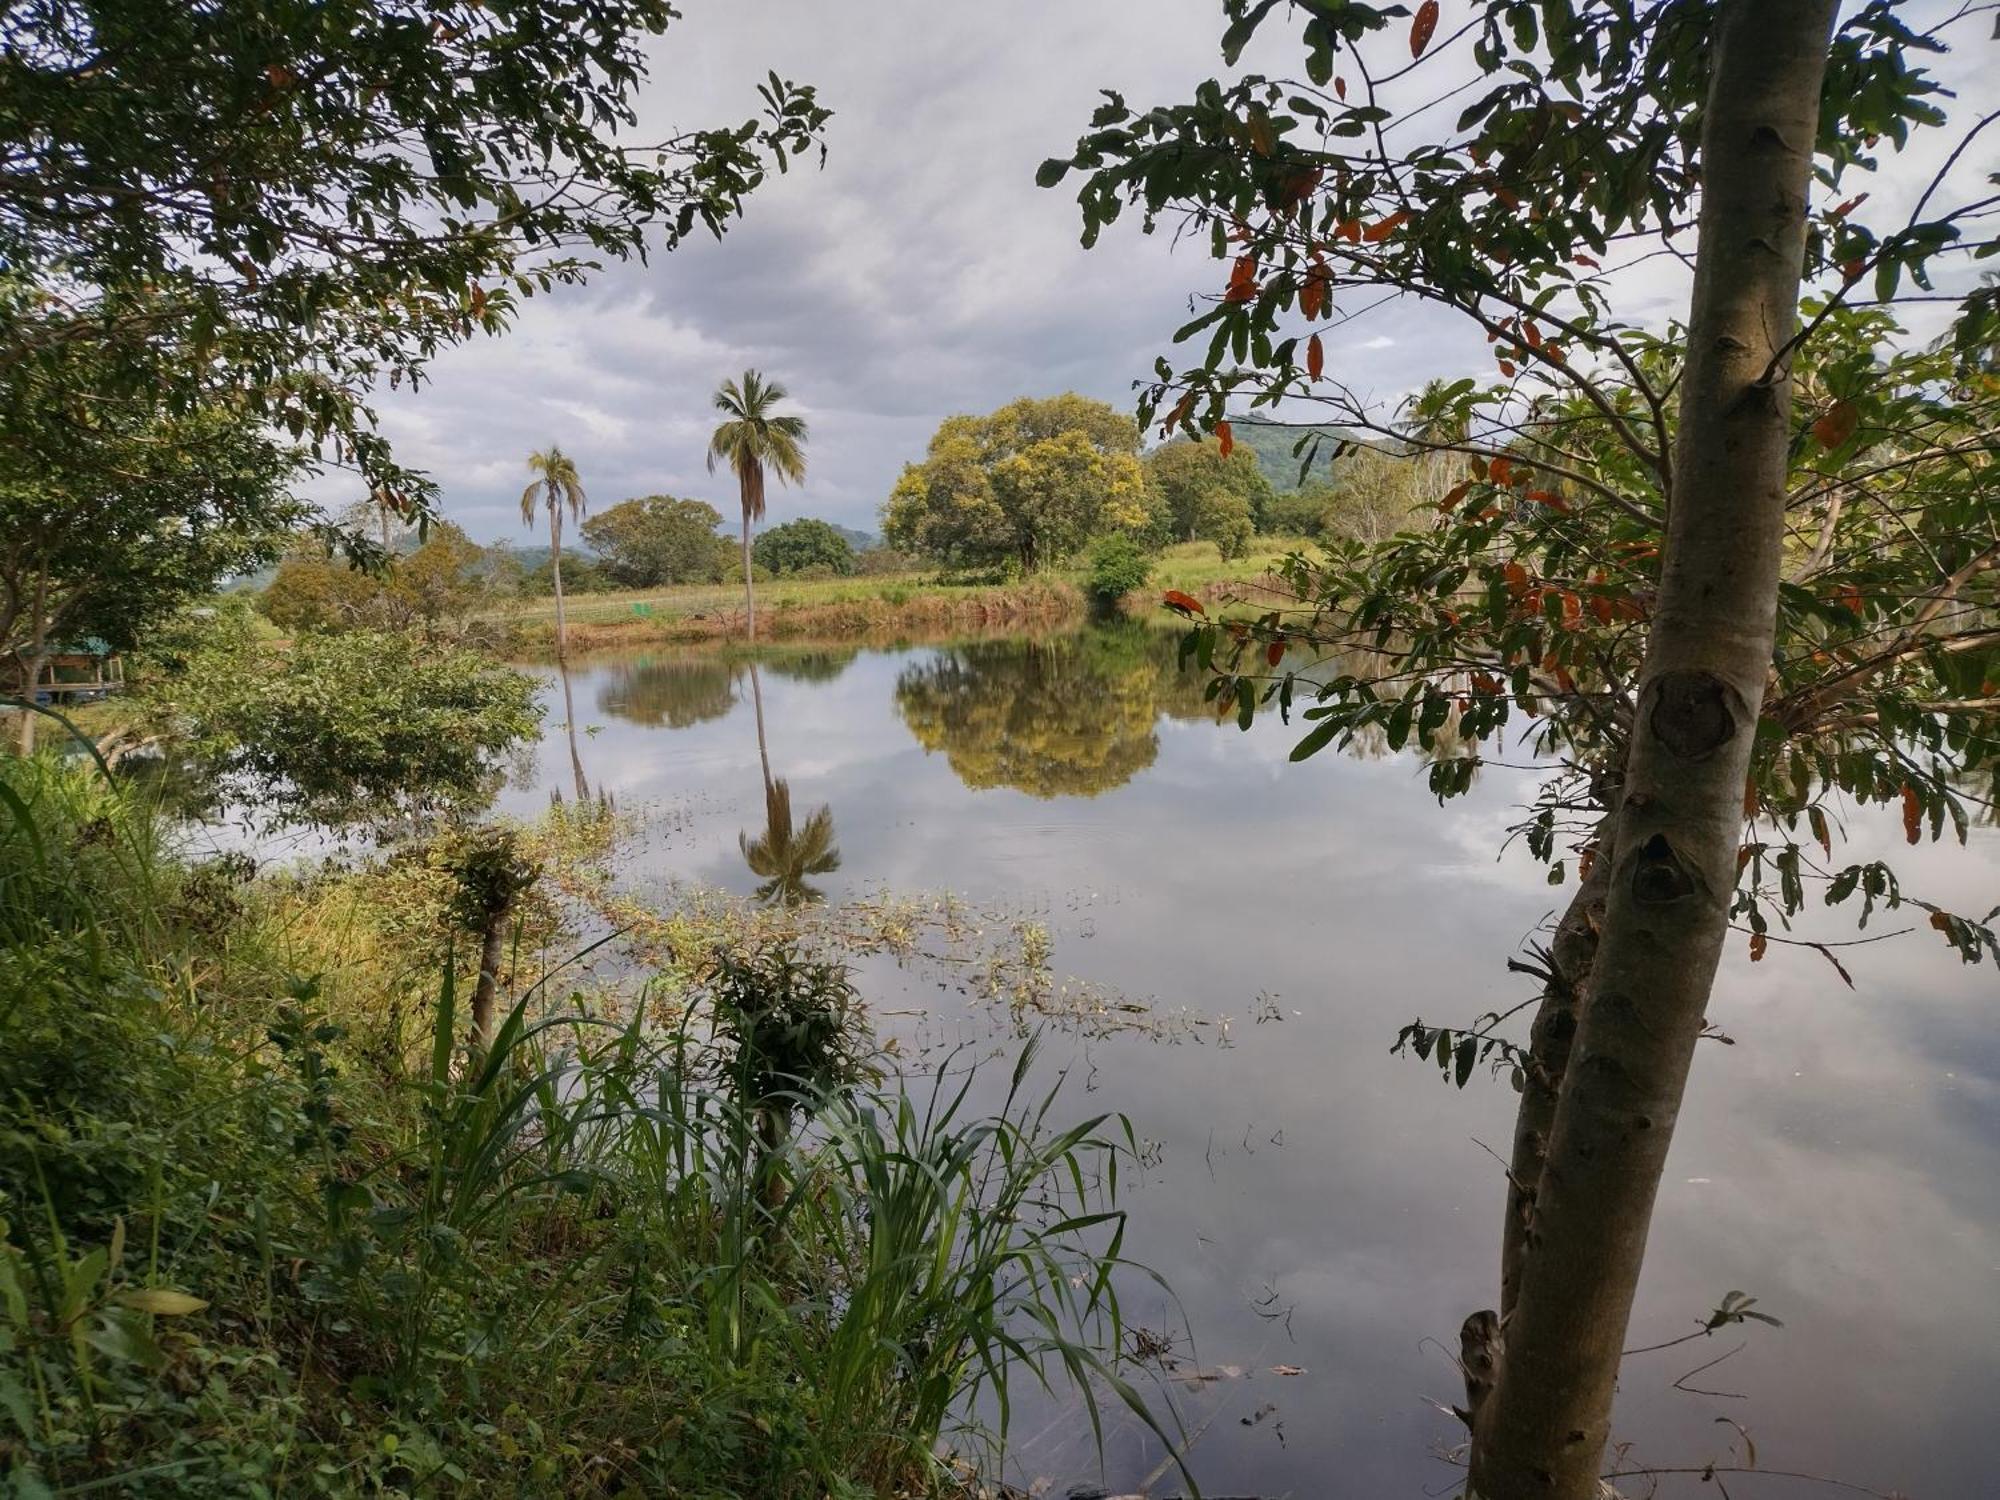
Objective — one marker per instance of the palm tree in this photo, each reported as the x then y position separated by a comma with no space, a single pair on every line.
752,441
559,488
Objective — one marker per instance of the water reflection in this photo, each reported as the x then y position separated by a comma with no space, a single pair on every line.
673,693
1067,716
785,854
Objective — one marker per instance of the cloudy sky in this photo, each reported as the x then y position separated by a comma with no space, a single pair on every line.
920,273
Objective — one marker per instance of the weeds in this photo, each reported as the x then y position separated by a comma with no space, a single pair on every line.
252,1244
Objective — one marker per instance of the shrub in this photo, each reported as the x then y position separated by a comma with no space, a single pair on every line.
1117,566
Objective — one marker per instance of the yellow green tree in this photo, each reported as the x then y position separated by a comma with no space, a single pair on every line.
1029,484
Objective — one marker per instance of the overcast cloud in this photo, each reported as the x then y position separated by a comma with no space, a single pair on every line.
920,273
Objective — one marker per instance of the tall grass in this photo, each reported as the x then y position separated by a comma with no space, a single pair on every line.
248,1248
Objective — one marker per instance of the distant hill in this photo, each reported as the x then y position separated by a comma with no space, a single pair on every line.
860,541
1273,442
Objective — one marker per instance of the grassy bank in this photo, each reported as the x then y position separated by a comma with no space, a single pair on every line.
272,1224
888,605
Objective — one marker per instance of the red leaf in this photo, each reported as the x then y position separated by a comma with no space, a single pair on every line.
1531,333
1913,814
1551,499
1225,439
1275,652
1315,357
1517,579
1187,604
1601,607
1457,493
1553,353
1849,206
1340,87
1349,230
1312,296
1852,271
1585,260
1838,425
1506,367
1572,608
1501,471
1421,28
1381,229
1757,945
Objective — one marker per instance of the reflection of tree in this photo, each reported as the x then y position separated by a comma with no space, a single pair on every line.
785,854
569,728
669,694
816,664
1067,717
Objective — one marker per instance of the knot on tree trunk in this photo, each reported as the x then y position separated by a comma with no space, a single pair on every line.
1695,713
1659,875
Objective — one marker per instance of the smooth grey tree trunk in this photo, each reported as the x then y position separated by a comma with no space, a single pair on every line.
491,944
1542,1430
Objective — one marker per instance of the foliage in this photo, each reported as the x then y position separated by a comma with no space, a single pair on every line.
291,208
1118,566
806,543
754,440
785,854
657,540
365,728
1030,485
134,519
439,581
1206,496
254,1242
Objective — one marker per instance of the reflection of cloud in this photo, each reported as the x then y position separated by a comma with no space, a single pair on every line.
1849,1137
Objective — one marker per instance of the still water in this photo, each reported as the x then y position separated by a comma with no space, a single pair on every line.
1319,1206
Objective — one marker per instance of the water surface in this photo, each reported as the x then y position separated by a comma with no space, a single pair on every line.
1316,1203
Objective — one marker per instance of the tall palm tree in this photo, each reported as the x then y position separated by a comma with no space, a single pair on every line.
558,488
751,441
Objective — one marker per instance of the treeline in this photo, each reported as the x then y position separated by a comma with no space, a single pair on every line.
443,577
1035,483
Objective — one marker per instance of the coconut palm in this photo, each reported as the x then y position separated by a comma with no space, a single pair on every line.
753,441
559,489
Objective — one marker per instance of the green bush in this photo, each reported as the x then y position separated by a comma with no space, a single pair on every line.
1118,565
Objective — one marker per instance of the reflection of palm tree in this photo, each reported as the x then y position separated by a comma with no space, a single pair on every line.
783,855
569,723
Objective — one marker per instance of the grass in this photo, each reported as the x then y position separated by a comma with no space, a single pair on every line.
270,1225
876,604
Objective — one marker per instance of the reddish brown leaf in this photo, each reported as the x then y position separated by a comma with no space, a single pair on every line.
1572,608
1838,425
1941,921
1275,652
1381,229
1501,471
1551,499
1601,607
1340,87
1531,333
1457,493
1850,205
1225,439
1422,26
1553,353
1315,357
1757,945
1585,260
1913,814
1506,367
1187,604
1517,579
1349,230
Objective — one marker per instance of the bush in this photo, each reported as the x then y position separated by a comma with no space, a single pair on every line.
1118,565
879,560
802,545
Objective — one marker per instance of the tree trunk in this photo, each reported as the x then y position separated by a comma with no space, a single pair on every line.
749,592
491,943
555,575
31,674
1542,1431
569,725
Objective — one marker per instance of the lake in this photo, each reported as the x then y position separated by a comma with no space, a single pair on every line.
1317,1204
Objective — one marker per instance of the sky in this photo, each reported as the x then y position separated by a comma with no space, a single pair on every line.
921,273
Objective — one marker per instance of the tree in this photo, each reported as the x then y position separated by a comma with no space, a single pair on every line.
753,440
656,540
558,488
290,207
1719,612
377,730
1031,484
785,855
137,519
805,543
439,581
1206,496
